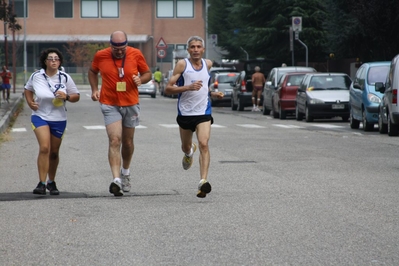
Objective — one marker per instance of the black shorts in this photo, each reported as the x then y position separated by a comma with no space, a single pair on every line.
191,122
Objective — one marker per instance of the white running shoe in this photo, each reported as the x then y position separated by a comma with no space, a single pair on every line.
116,188
125,182
187,160
204,187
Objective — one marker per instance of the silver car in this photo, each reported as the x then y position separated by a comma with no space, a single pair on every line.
148,88
323,95
223,82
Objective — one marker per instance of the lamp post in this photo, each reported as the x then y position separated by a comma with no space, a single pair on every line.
5,33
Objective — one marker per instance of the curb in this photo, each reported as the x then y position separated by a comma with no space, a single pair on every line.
5,120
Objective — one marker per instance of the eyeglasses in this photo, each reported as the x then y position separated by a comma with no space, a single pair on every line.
52,59
119,49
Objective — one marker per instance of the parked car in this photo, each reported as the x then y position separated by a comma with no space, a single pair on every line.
162,92
285,95
242,91
222,82
388,109
363,98
272,81
148,88
323,95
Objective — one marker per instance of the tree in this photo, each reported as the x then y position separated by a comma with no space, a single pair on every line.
81,54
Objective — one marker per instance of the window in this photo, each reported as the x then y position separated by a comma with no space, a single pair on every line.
175,8
93,8
19,8
165,9
185,9
63,8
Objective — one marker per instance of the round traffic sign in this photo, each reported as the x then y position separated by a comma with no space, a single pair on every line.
297,21
161,53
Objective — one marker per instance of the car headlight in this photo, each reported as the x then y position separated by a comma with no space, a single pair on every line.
373,98
315,101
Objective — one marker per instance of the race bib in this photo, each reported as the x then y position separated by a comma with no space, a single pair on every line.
121,86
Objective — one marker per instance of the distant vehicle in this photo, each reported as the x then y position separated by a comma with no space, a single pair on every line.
242,91
272,81
222,82
162,92
363,98
285,96
388,109
323,95
148,88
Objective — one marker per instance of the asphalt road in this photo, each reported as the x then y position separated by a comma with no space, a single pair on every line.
284,193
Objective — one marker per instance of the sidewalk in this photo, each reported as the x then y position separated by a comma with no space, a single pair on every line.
7,109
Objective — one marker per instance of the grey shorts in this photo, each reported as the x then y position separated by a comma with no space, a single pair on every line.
128,114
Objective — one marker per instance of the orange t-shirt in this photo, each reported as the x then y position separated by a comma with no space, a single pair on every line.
108,66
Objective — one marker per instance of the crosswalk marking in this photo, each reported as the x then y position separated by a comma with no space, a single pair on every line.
169,125
250,126
20,129
286,126
94,127
326,126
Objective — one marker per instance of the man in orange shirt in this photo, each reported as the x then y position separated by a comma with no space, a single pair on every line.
123,69
258,80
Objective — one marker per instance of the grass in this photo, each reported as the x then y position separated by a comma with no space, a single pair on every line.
5,136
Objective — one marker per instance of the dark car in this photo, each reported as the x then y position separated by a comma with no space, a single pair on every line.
285,95
363,98
242,91
272,81
323,95
222,82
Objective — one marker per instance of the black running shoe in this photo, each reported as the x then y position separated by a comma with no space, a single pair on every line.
52,187
40,189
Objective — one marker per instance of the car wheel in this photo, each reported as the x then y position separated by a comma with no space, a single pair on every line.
233,106
240,105
275,113
393,129
153,95
382,128
265,111
354,124
283,114
366,125
298,115
308,117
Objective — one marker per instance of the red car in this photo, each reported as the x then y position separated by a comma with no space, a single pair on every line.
285,95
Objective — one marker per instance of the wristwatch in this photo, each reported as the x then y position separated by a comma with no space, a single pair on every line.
67,98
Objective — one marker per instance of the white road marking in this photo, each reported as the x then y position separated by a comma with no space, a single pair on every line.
20,129
326,126
286,126
250,126
169,125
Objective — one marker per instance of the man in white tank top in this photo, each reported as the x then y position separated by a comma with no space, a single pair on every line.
190,80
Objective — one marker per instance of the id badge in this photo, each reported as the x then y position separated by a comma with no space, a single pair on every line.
121,86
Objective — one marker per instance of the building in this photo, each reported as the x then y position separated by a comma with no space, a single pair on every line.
148,24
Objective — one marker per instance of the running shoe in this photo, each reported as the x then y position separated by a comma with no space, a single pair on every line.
203,188
52,187
116,189
125,182
187,160
40,189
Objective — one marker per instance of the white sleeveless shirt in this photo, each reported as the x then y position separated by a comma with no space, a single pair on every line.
192,103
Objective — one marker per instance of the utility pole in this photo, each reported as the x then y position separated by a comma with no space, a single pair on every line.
5,33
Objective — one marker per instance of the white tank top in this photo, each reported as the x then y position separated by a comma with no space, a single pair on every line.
192,103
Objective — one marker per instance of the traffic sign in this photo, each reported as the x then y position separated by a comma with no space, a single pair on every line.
161,44
161,53
297,23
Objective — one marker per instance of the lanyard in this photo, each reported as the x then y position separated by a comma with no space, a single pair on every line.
57,86
120,69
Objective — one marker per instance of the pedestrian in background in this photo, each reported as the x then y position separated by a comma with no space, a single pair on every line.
258,81
158,78
46,93
6,86
123,69
191,76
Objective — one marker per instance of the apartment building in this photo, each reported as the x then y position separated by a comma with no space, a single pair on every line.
149,24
